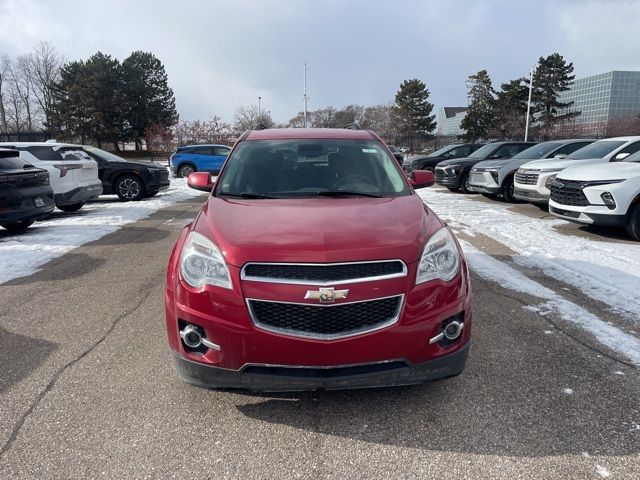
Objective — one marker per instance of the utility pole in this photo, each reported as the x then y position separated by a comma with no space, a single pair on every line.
526,128
259,105
305,98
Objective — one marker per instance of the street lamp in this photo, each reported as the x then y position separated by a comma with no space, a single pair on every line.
526,128
259,105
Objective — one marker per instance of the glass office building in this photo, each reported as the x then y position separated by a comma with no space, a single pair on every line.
448,121
603,98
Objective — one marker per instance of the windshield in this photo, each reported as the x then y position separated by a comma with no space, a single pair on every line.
107,156
11,161
294,168
538,151
442,151
482,152
394,149
596,150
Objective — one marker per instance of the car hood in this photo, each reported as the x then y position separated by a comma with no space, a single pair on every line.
558,164
129,163
317,230
465,162
602,171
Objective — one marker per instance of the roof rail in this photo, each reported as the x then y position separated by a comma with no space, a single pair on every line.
352,126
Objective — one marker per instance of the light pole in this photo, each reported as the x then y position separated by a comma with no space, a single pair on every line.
304,96
259,105
526,128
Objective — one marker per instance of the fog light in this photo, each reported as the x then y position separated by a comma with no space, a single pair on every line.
549,181
608,200
193,337
451,331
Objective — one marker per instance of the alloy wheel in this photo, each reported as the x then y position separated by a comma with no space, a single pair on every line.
129,188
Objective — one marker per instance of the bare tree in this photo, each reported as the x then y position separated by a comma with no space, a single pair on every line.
248,117
43,70
5,64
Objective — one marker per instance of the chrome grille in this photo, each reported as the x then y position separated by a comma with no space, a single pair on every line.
325,321
527,178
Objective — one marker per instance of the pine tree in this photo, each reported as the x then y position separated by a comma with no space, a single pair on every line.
479,120
412,110
553,76
511,110
148,98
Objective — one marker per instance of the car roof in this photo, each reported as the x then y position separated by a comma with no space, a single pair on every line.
204,145
309,133
40,144
624,139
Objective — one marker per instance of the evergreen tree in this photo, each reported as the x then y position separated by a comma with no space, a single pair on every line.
87,102
511,110
479,120
553,76
412,110
148,98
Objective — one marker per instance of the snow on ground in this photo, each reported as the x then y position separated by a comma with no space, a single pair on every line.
604,270
496,271
23,254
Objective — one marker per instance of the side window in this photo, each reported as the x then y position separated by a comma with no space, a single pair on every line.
43,153
202,151
221,151
74,154
507,151
628,150
570,148
459,152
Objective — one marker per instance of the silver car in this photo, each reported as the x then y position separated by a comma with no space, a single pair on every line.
495,177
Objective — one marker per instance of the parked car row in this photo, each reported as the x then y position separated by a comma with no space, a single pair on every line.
36,177
580,180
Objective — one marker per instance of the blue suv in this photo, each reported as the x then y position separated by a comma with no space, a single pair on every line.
198,158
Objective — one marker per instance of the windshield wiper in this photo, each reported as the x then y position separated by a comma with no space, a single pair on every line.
346,193
245,195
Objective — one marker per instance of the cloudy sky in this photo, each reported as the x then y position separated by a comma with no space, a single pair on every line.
220,54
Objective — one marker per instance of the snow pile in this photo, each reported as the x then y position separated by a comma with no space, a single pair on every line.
495,271
604,270
23,254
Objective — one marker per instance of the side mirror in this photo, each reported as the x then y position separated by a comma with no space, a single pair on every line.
422,178
201,181
560,156
620,156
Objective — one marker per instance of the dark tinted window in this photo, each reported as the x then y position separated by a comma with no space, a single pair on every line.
570,148
598,149
12,161
310,168
460,152
42,153
508,151
538,151
484,151
185,150
631,149
202,151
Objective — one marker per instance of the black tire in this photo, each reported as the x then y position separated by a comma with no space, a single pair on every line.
633,225
19,226
464,184
508,190
451,189
74,207
185,170
129,188
489,195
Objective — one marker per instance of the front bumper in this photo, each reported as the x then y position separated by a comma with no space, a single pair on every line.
159,181
483,182
530,196
587,215
80,194
267,377
448,180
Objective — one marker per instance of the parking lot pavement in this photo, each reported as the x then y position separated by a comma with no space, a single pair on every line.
87,389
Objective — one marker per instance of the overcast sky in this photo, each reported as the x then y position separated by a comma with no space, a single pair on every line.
222,54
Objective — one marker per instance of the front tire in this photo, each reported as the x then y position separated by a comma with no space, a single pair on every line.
464,185
129,188
74,207
633,225
19,226
508,192
185,170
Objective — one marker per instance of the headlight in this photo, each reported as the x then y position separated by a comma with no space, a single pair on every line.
440,258
549,181
202,263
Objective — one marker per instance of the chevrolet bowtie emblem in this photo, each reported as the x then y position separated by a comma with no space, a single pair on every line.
326,295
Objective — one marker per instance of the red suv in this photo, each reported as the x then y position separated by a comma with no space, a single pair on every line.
313,264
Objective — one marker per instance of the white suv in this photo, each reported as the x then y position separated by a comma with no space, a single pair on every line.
72,173
607,195
533,179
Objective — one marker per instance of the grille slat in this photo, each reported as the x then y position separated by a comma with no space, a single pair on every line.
322,273
568,192
527,178
333,321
